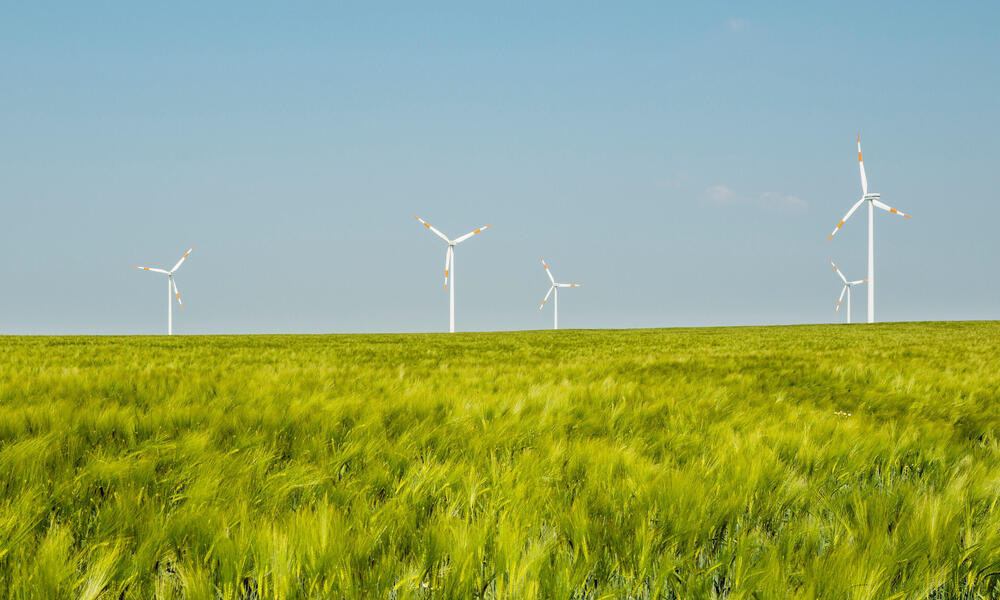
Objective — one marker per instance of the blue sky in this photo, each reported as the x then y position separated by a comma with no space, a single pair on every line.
685,163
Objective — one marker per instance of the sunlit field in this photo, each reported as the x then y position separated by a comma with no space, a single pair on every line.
815,461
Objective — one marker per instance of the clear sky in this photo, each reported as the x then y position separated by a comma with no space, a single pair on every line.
685,162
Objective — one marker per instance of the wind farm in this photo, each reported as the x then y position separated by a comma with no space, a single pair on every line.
872,200
319,421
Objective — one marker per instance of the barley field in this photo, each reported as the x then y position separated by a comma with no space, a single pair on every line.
759,462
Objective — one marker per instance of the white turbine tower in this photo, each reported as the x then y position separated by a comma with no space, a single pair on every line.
171,290
555,289
449,265
873,200
847,288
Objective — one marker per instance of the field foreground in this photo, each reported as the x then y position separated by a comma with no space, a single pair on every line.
814,461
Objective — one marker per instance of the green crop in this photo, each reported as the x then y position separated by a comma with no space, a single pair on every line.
783,462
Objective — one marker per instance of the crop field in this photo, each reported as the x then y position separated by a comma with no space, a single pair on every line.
769,462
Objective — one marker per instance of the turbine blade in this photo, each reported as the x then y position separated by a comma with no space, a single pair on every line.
884,206
838,271
860,281
428,226
569,285
546,298
548,272
153,270
861,164
846,217
177,293
447,265
472,233
842,292
181,261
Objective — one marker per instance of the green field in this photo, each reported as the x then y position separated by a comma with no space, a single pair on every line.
772,462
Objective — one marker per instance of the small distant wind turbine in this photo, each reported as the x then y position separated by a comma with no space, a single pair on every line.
873,200
555,300
449,264
847,288
171,290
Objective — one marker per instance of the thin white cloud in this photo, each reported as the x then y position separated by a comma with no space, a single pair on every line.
782,203
721,195
737,24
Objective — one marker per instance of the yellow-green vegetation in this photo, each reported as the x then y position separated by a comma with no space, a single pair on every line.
816,461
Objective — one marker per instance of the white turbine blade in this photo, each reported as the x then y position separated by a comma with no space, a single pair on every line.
838,271
842,292
569,285
181,261
861,164
153,270
428,226
546,298
860,281
846,217
548,272
472,233
176,293
884,206
447,265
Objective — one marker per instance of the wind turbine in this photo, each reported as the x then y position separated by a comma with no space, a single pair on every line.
171,290
449,265
555,288
873,200
847,288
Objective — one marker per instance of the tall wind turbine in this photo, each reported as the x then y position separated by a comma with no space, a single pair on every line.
555,289
449,264
847,288
873,200
171,290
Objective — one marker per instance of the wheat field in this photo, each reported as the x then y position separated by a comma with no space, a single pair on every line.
761,462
